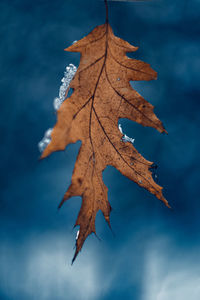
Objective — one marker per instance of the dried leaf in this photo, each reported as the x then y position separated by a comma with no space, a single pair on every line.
102,94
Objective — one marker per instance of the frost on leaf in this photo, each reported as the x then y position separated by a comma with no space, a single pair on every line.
45,141
64,88
102,95
68,76
125,138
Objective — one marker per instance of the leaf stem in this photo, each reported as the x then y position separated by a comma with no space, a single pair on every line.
106,4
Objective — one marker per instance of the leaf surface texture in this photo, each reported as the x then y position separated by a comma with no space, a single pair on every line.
101,95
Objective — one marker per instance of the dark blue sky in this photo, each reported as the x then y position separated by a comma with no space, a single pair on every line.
155,252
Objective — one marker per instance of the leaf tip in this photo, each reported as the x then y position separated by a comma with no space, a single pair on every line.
42,156
67,49
74,257
167,204
45,153
61,203
165,131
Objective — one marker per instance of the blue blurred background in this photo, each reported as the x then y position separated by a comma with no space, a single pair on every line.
155,253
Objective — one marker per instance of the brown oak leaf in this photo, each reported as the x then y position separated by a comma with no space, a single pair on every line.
101,95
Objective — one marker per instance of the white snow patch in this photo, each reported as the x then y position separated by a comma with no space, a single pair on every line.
68,76
125,138
45,141
77,235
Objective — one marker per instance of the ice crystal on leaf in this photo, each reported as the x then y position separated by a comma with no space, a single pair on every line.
125,138
45,141
68,76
